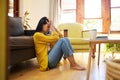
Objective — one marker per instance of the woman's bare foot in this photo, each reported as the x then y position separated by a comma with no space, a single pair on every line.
74,65
78,67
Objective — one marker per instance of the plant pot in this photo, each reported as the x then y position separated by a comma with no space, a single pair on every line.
113,69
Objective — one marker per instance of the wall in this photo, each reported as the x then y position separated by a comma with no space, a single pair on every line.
37,9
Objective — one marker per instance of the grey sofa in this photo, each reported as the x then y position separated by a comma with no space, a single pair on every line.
20,42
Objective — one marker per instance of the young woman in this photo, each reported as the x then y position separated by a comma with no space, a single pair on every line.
43,40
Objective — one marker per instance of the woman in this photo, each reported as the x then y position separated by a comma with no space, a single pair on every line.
49,58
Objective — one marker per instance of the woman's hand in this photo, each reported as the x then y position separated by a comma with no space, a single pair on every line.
54,29
51,25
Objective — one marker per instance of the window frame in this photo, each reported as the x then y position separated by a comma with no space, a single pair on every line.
117,7
94,17
16,9
62,10
105,13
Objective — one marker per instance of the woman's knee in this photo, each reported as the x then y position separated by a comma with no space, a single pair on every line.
61,39
64,40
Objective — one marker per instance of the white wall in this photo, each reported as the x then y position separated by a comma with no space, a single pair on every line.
37,9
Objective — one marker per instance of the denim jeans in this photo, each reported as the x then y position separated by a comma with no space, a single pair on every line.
62,47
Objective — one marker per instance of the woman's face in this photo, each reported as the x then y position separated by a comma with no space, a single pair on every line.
46,28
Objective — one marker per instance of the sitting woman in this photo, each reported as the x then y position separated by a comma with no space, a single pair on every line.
49,57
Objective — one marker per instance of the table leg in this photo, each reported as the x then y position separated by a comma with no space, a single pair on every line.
99,53
114,51
89,62
94,50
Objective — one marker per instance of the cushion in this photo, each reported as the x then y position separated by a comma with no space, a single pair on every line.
74,29
80,47
21,42
78,41
16,26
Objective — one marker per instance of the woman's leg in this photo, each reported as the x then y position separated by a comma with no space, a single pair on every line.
71,58
69,44
57,52
62,46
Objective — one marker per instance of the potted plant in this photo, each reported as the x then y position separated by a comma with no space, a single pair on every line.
112,47
26,20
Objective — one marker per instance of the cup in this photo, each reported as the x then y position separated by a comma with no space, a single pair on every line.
93,34
65,33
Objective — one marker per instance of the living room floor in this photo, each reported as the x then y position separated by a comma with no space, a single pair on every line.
29,70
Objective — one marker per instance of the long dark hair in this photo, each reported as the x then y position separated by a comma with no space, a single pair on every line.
43,21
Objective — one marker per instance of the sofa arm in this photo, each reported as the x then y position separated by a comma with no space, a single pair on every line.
86,34
29,32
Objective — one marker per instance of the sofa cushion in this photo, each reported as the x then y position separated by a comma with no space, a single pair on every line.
80,47
21,42
78,41
16,26
74,29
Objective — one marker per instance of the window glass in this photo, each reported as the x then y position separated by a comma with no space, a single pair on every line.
92,8
115,3
11,8
90,24
68,4
115,19
68,16
68,11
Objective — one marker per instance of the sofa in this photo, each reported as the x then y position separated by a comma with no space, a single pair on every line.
76,34
20,43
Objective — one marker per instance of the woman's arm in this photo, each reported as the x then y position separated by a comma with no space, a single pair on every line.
60,34
55,29
45,38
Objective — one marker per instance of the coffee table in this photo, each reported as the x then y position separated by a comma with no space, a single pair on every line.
94,42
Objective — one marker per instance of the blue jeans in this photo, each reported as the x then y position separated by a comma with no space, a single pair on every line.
62,47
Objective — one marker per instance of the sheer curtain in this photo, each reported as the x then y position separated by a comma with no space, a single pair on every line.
53,11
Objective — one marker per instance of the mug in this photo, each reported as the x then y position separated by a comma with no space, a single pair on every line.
93,34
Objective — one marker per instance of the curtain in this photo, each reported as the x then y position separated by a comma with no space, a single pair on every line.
53,11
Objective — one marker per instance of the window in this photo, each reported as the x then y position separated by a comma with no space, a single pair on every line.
93,24
68,11
92,8
115,3
115,15
11,8
92,15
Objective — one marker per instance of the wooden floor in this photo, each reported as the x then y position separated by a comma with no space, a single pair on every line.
29,70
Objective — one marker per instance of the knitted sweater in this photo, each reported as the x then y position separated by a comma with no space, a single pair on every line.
41,42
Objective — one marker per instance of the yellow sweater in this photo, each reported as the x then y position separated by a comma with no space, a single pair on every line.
41,42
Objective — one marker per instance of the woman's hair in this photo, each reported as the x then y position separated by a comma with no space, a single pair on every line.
43,21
